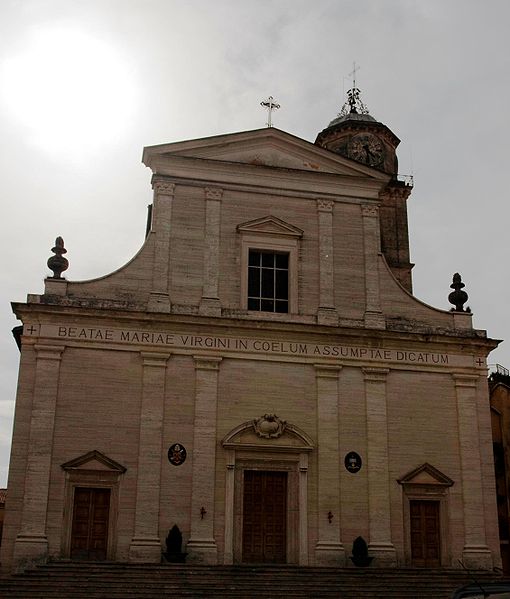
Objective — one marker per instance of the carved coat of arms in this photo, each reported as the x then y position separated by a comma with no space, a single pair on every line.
176,454
269,426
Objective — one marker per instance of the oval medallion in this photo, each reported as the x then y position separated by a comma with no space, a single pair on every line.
353,462
176,454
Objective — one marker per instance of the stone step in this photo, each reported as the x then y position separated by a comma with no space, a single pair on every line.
345,585
73,592
75,580
98,569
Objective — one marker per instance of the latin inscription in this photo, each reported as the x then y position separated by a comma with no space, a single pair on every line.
235,344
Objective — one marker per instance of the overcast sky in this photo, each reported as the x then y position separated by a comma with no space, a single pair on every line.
84,85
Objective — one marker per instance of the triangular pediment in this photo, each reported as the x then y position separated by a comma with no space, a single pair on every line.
94,460
263,147
270,225
426,475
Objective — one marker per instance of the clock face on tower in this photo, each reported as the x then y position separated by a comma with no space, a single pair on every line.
366,148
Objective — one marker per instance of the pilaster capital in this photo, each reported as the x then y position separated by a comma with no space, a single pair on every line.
163,187
396,193
466,380
303,462
369,210
375,375
207,362
327,371
324,205
213,193
49,352
157,359
231,459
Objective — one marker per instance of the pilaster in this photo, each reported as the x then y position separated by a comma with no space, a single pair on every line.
394,232
201,546
31,544
374,318
159,300
229,508
146,544
476,554
210,303
329,550
327,313
303,509
380,543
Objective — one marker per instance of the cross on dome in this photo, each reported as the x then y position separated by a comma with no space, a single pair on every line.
353,104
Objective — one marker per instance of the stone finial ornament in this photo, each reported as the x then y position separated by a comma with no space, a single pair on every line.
458,297
269,426
58,263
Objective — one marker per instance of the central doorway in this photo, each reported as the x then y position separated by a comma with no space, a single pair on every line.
264,517
425,533
89,533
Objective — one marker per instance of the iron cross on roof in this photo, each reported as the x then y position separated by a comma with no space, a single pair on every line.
353,74
271,105
353,104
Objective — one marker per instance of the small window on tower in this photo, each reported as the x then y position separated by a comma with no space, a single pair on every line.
268,281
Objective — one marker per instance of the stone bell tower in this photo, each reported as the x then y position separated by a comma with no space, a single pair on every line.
357,135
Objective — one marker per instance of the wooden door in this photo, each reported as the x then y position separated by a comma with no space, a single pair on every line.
89,535
425,537
265,517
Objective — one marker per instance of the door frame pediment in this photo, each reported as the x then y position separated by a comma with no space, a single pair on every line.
97,471
286,438
93,460
427,483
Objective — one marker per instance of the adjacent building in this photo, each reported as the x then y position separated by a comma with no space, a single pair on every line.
499,391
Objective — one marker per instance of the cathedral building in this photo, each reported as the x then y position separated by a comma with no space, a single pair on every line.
259,374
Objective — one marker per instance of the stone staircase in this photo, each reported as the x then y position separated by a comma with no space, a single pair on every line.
72,580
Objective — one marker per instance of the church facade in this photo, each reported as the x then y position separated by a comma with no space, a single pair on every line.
259,374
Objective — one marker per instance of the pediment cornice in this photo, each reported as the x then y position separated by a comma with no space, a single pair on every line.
269,147
93,460
288,438
269,225
426,475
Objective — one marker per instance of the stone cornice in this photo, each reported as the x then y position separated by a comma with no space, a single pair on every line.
475,339
228,147
224,174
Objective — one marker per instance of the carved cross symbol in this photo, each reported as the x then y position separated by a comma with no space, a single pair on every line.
480,362
31,329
